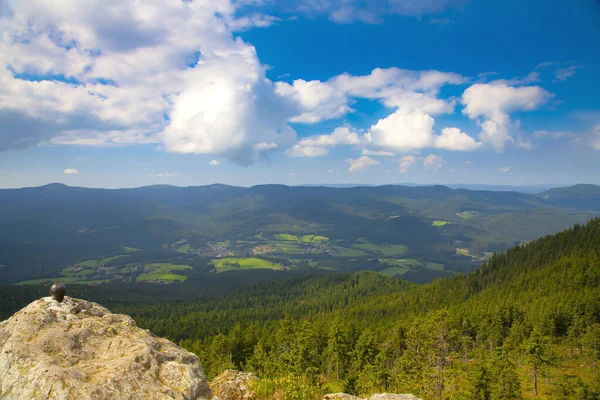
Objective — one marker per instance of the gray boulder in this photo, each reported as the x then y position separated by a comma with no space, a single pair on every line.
79,350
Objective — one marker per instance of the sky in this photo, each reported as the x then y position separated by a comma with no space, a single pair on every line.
119,93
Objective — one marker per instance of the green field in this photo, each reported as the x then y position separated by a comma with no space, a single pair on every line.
163,272
314,239
1,265
393,271
411,263
101,262
186,248
347,252
440,223
286,237
386,250
63,279
287,247
408,262
434,266
235,264
130,249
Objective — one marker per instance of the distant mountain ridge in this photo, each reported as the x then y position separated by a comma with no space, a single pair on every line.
53,226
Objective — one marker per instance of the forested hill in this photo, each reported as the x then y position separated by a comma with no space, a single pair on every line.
532,311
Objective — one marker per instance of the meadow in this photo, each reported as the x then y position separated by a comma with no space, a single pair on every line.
235,264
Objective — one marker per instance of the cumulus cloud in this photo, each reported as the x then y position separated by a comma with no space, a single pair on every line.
394,87
504,169
406,162
361,163
120,72
214,163
71,171
455,139
433,162
306,151
411,131
493,102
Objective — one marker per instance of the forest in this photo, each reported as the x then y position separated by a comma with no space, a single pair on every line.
524,325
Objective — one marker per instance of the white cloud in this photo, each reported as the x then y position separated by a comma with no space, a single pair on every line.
402,131
372,11
468,162
130,65
264,146
361,163
504,169
377,153
71,171
433,162
406,162
306,151
562,74
162,175
214,163
412,131
493,102
394,87
454,139
330,171
340,136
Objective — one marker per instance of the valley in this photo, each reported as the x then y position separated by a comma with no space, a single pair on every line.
419,233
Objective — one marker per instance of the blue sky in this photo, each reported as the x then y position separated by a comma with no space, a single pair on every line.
118,94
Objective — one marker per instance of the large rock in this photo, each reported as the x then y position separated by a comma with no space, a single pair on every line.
79,350
340,396
233,385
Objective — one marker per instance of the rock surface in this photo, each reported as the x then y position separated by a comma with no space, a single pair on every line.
233,385
79,350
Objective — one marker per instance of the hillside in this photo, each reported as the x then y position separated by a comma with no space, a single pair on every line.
532,311
582,197
94,236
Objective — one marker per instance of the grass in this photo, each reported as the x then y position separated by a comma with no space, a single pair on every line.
440,223
163,272
231,264
286,237
408,262
186,248
99,263
393,271
1,265
411,263
130,249
468,214
63,279
260,236
386,250
287,247
346,252
434,266
314,239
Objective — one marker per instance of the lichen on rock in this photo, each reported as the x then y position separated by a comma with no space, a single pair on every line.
80,350
233,385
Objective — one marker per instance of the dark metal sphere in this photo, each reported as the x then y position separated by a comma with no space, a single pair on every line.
58,291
